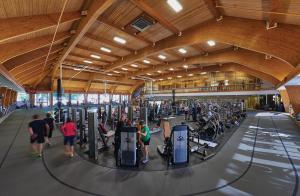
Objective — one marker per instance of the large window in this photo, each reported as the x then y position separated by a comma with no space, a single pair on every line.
92,98
77,99
104,98
22,97
41,99
116,98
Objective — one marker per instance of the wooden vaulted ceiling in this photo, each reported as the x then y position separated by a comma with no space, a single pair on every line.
243,31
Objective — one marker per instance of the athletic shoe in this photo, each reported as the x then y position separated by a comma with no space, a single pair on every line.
145,161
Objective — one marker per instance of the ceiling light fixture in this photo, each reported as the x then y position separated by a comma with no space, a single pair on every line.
116,72
146,61
182,50
190,74
119,40
171,69
185,66
169,78
158,71
211,42
149,74
179,76
89,62
105,49
160,79
95,56
175,5
77,69
123,68
109,74
134,65
203,73
163,57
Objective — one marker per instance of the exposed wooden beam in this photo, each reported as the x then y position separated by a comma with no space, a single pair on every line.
28,76
174,54
32,69
11,50
99,81
96,8
270,6
199,48
244,57
90,58
97,51
123,30
211,5
30,57
108,42
225,32
18,26
112,89
154,14
40,78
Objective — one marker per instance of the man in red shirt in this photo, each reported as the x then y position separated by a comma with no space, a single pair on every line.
69,132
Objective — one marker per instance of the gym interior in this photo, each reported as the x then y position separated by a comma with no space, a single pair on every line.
149,97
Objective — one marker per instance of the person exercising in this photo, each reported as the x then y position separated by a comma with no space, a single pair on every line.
50,121
144,132
119,127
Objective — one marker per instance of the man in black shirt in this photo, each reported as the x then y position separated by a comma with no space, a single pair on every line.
50,122
37,130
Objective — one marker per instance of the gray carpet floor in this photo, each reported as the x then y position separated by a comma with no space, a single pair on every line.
261,158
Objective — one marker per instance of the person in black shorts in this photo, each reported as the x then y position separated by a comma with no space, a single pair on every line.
37,129
50,122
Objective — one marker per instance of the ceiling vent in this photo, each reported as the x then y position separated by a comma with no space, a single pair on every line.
142,23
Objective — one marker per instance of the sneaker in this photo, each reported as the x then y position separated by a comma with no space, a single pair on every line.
145,161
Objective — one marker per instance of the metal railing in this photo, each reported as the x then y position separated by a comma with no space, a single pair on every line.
225,88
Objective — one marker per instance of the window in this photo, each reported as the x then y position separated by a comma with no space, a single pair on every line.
22,97
92,98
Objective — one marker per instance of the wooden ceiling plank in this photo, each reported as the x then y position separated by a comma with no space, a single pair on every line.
89,58
108,42
96,8
92,50
30,57
123,30
224,32
11,50
211,5
18,26
154,14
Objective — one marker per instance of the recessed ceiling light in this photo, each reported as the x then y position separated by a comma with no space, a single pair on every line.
146,61
149,74
119,40
95,56
190,74
109,74
159,71
105,49
169,78
175,5
160,79
185,66
77,69
179,76
123,68
217,71
134,65
182,50
162,56
89,62
211,42
116,72
171,69
203,73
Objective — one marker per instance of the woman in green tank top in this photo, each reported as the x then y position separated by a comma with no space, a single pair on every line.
145,137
